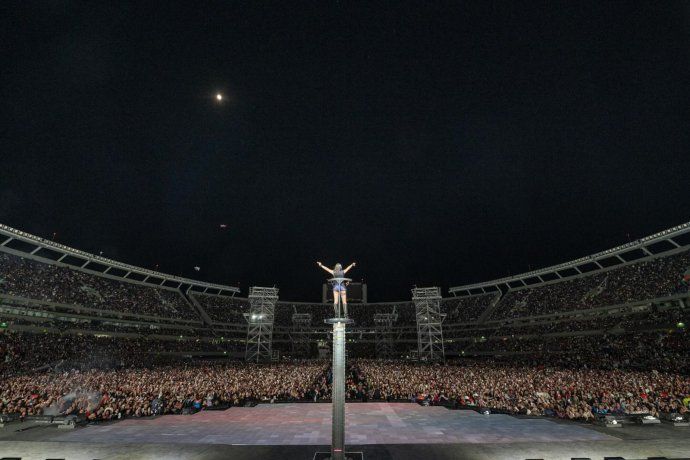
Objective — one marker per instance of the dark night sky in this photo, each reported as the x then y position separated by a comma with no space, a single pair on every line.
433,144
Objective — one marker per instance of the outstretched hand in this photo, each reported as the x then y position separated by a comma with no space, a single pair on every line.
318,263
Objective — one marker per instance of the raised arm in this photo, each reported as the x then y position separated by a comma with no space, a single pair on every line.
324,267
349,267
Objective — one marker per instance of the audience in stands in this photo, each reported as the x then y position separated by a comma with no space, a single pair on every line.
24,352
635,282
30,279
645,350
223,309
466,309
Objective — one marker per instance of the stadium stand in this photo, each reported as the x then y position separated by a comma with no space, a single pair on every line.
223,309
646,280
21,277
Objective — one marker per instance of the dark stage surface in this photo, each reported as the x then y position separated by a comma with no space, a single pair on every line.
380,430
310,424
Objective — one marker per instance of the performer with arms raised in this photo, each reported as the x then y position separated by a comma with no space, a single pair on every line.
339,288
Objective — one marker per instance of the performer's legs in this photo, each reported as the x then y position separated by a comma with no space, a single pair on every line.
335,303
344,299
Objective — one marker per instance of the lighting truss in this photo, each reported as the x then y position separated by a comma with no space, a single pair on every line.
262,303
427,302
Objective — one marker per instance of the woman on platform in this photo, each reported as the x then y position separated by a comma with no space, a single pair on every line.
339,288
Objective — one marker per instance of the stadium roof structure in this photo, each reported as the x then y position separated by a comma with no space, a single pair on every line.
27,245
31,246
667,241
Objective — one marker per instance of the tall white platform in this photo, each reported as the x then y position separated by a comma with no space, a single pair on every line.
339,323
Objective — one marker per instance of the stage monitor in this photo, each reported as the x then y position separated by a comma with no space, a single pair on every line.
356,293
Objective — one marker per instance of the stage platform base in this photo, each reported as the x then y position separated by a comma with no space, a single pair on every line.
382,431
348,456
309,423
347,321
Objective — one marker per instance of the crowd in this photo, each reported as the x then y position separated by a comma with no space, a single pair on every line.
223,309
555,326
572,377
113,394
653,318
466,309
638,281
531,390
641,350
35,280
89,325
22,352
513,386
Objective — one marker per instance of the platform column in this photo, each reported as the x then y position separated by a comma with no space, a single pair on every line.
338,435
339,323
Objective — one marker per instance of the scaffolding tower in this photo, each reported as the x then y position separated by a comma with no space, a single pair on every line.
262,304
301,324
384,334
427,302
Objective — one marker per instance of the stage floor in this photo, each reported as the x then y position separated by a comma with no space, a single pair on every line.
310,424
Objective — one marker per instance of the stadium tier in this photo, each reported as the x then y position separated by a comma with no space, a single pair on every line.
223,309
25,278
647,280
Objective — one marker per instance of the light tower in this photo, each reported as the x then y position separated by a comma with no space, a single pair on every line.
262,304
427,302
